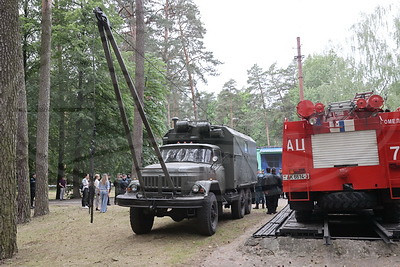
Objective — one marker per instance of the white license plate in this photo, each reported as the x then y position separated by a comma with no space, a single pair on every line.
296,176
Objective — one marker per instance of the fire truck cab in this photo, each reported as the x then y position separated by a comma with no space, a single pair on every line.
343,158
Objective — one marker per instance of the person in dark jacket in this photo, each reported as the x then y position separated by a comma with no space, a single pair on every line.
260,199
32,183
272,190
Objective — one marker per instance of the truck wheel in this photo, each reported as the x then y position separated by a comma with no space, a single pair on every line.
249,201
391,212
347,201
141,222
238,206
207,216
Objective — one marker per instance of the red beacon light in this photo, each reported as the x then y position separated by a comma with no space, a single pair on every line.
319,108
361,103
375,101
305,109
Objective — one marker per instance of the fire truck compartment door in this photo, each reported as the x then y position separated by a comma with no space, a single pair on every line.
355,148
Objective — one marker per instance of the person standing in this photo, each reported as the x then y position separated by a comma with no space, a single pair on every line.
109,190
97,190
260,199
104,187
124,184
272,190
85,192
32,183
63,186
117,187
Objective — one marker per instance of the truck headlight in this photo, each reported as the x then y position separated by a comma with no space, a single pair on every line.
195,188
132,188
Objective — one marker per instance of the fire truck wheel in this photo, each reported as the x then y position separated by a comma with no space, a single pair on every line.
238,206
207,216
391,212
303,215
141,220
249,201
347,201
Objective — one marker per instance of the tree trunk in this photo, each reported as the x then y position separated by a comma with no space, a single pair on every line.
191,82
77,169
265,112
23,198
11,82
42,136
61,123
139,82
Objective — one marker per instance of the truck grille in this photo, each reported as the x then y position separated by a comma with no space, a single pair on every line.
152,183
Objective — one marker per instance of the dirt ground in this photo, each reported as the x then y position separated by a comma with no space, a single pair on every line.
66,237
288,251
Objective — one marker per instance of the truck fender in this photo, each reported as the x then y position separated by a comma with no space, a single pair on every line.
210,186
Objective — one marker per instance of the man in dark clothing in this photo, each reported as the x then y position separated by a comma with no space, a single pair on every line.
117,187
259,192
124,183
33,189
272,189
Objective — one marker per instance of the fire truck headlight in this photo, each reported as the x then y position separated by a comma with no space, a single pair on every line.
312,120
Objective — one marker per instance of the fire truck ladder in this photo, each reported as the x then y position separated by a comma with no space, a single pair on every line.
394,179
342,226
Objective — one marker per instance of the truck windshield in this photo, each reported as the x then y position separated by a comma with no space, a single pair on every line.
185,154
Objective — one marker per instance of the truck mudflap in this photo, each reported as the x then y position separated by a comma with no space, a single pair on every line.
128,200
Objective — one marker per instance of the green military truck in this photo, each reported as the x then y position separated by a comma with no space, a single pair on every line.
210,166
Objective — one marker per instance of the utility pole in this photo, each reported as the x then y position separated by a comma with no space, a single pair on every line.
299,57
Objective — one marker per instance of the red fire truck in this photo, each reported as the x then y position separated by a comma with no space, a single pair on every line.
343,158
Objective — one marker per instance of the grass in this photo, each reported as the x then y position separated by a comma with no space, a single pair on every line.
66,237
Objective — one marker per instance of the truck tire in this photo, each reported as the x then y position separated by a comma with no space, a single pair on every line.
391,212
207,216
249,201
141,222
347,201
238,206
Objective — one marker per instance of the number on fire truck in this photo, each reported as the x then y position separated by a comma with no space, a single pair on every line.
396,151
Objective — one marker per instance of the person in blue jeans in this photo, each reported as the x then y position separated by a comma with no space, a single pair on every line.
104,187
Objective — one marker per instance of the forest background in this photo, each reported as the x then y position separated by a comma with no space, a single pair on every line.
84,114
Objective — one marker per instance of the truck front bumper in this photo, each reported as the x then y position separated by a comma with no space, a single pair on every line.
179,202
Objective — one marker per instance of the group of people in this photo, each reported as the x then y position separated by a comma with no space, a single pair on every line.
103,187
268,190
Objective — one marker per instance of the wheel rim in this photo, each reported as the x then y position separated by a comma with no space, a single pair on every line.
242,200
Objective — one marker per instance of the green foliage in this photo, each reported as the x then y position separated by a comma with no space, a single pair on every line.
82,96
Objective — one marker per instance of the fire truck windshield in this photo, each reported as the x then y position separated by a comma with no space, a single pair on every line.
186,154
